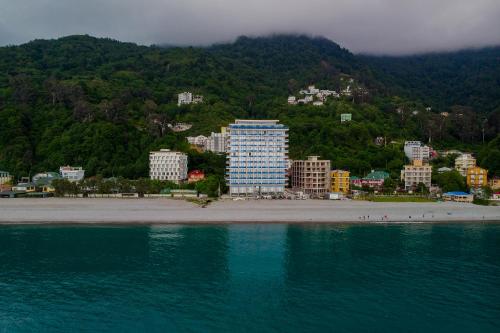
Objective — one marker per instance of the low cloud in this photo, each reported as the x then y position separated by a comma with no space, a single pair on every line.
367,26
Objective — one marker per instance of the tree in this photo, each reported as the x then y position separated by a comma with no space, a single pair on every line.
450,181
62,187
23,89
83,111
389,186
421,188
209,186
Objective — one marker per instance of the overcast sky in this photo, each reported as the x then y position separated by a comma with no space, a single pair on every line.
369,26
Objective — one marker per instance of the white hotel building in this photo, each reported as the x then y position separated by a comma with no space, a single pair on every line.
168,165
415,150
257,157
73,174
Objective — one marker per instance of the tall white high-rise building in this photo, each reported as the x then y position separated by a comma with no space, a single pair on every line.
168,165
257,157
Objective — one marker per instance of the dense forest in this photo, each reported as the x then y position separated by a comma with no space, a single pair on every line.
103,104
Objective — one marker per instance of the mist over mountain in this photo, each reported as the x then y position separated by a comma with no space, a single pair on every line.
363,26
104,104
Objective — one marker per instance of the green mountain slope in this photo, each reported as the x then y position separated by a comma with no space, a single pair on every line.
469,77
104,104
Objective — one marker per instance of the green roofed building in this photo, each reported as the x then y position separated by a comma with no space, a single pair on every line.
345,117
374,179
45,178
377,175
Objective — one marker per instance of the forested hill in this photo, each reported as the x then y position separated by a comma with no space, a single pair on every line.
469,77
104,105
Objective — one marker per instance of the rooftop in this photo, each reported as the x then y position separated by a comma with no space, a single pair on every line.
254,121
377,175
457,193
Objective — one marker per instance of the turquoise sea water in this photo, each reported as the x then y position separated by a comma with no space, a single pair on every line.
250,278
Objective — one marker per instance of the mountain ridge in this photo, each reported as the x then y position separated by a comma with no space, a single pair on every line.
96,102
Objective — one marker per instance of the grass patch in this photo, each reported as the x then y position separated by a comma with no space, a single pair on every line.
200,202
481,202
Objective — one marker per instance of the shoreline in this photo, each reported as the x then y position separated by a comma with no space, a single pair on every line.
79,211
197,223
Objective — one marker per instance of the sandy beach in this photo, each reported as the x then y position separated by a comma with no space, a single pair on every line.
65,210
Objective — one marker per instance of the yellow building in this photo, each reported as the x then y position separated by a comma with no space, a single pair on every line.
48,189
340,181
477,177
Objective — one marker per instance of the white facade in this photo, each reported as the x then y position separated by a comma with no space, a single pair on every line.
310,94
313,90
464,162
184,98
73,174
217,142
188,98
168,165
419,153
416,173
257,157
199,140
409,147
415,150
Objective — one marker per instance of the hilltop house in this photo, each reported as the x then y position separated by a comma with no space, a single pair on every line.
187,98
312,93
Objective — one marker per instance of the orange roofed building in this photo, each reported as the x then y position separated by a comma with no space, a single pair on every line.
195,176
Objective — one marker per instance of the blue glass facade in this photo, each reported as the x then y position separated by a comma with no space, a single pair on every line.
257,157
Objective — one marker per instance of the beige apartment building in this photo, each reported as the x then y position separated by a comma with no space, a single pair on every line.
416,173
311,176
464,162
